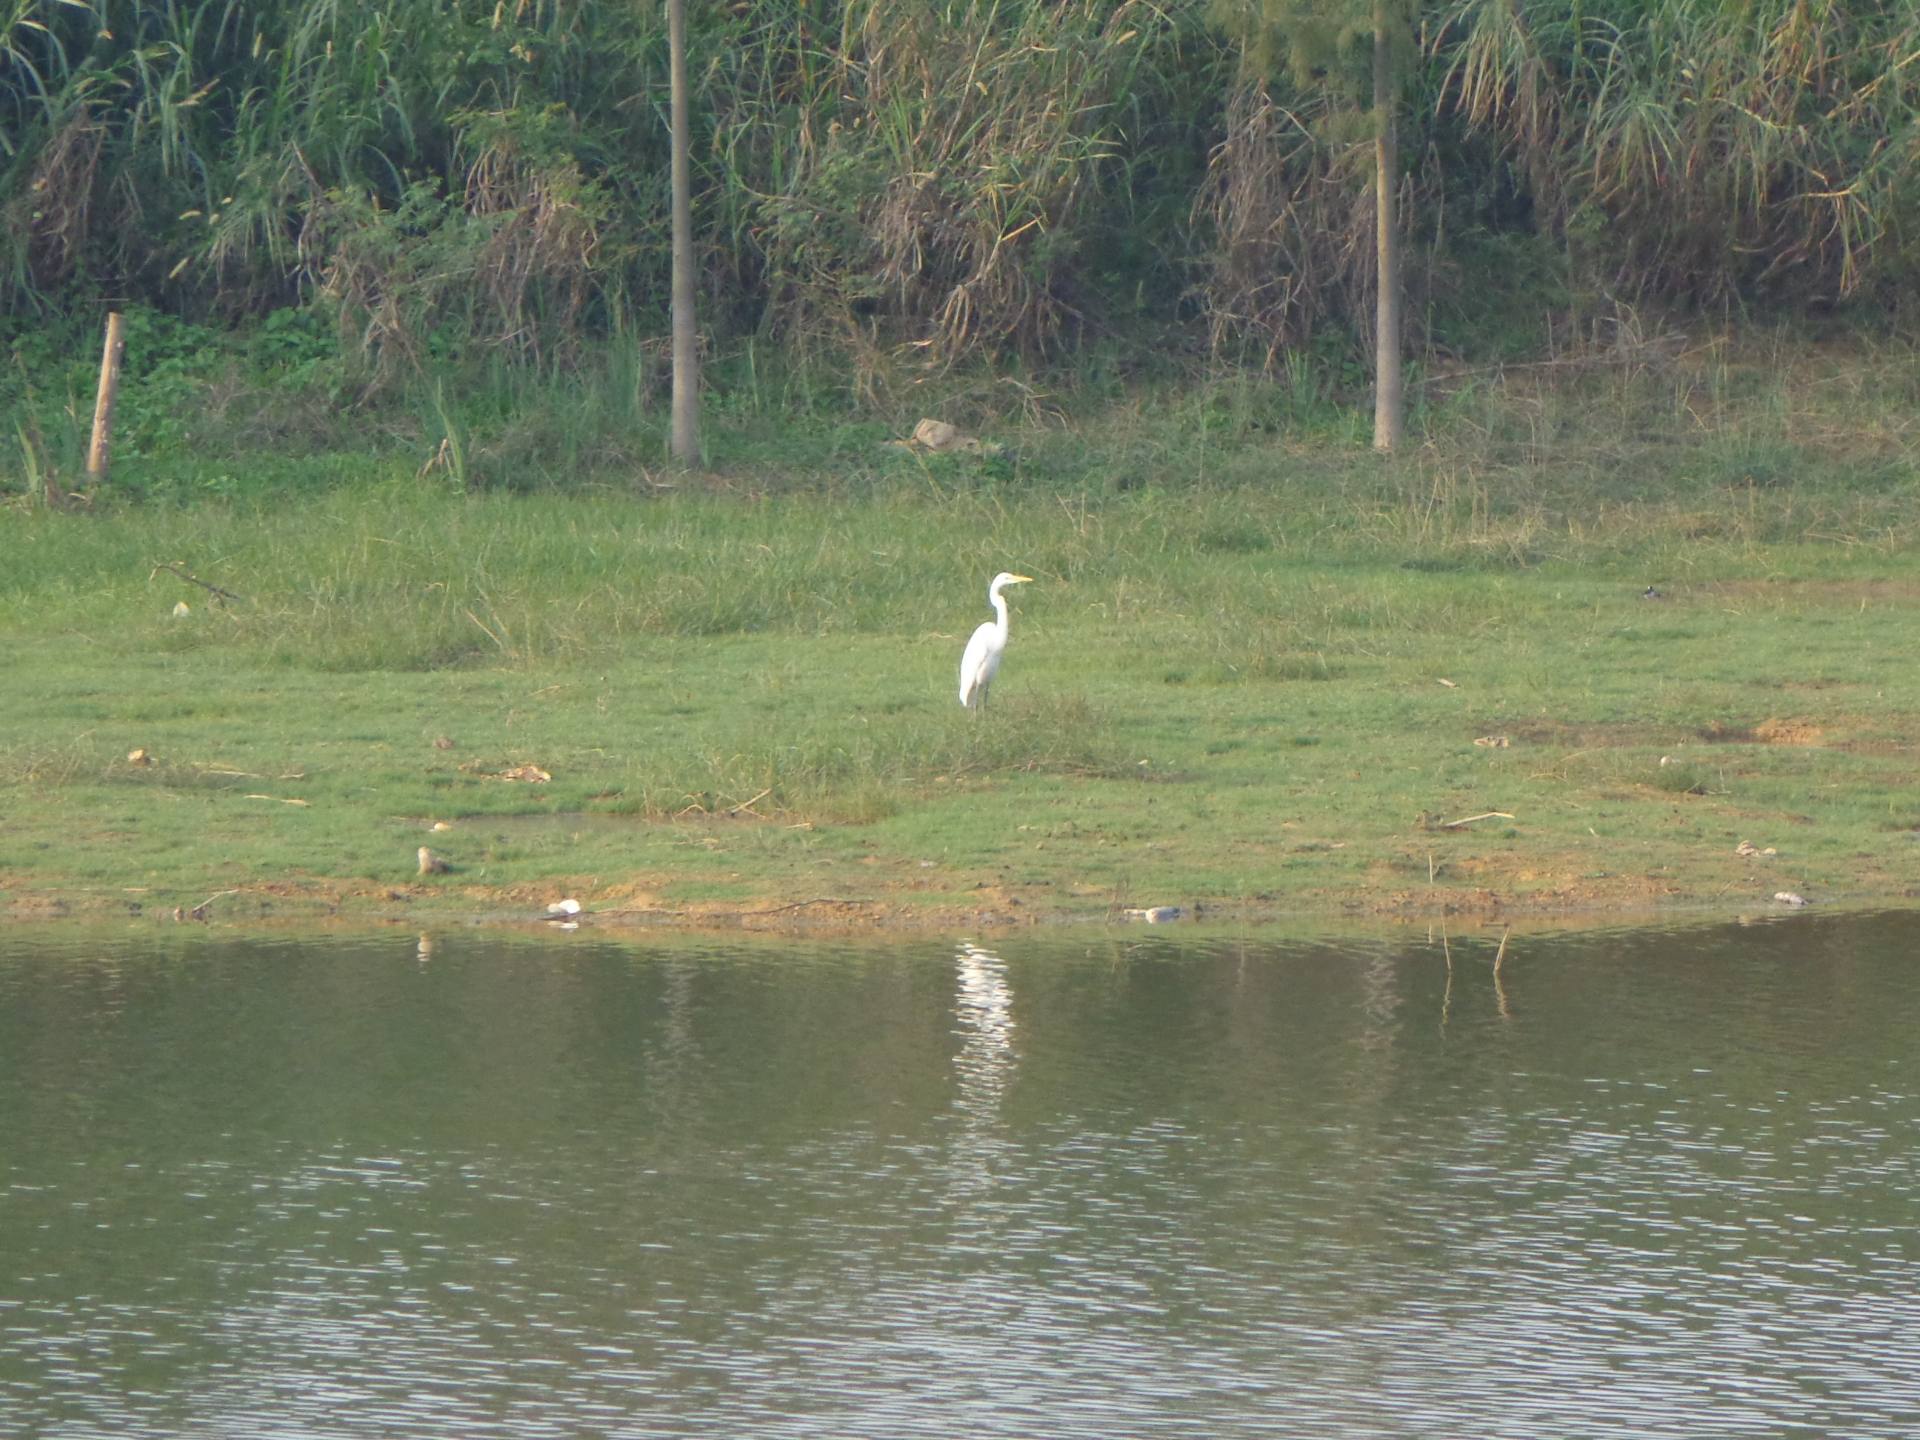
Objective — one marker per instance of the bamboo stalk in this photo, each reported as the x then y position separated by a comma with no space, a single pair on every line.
100,450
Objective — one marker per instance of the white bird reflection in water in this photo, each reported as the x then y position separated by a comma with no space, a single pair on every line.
983,1068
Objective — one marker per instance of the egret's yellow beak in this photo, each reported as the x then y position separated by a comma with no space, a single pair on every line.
1021,580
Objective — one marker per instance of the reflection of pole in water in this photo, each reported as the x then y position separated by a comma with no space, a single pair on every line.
1499,986
983,1008
1499,990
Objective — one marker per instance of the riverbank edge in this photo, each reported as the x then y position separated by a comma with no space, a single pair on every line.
322,904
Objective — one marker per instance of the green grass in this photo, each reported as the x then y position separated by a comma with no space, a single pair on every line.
1228,684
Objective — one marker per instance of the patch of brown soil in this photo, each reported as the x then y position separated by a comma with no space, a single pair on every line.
1766,732
1788,732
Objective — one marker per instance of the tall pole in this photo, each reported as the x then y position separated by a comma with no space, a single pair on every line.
100,451
686,338
1388,404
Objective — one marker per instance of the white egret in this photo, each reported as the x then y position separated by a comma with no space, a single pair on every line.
982,660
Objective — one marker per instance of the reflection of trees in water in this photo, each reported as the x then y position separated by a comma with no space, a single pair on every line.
670,1056
1380,1001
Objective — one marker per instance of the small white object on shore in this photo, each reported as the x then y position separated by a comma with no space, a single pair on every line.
1787,897
1155,914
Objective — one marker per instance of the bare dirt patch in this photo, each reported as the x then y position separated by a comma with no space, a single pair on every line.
1789,732
1764,732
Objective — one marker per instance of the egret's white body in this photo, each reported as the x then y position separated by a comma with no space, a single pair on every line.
982,660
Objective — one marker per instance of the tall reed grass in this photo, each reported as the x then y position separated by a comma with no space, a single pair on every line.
891,187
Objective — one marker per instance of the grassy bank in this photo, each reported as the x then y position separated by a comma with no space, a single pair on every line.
1253,672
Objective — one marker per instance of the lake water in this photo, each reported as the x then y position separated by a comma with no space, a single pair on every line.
1632,1183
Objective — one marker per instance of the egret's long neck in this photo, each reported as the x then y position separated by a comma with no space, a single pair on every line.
999,607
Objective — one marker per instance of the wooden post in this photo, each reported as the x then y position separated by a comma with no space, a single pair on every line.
99,450
686,337
1389,408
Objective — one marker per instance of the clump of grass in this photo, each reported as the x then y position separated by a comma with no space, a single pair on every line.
51,766
1678,778
872,768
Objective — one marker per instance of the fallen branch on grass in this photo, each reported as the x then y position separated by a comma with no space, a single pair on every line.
222,595
802,905
199,912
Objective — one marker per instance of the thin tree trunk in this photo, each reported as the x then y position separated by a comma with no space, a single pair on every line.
686,338
1388,405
